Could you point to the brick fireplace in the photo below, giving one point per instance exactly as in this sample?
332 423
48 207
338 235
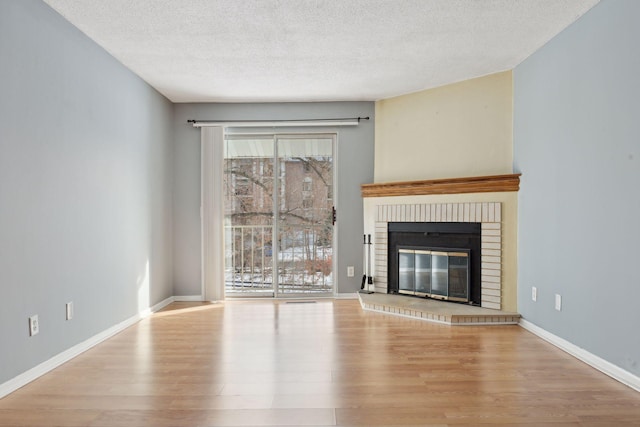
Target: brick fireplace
458 200
488 214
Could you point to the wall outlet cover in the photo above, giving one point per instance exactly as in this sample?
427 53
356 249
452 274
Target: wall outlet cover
534 293
558 302
34 325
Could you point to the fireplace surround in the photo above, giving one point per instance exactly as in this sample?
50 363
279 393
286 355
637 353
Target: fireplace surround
488 215
489 200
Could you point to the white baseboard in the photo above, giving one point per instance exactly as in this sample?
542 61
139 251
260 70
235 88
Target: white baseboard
608 368
159 306
162 304
187 298
57 360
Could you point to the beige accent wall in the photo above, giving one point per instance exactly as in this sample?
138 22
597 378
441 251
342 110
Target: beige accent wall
459 130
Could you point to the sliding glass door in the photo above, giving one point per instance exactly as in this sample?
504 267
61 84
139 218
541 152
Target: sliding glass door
278 215
304 212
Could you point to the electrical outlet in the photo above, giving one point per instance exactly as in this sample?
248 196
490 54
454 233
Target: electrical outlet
34 325
351 271
534 293
558 302
69 308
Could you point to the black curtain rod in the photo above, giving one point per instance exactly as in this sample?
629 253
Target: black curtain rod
278 121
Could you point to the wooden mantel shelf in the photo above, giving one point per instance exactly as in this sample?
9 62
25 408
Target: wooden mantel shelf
476 184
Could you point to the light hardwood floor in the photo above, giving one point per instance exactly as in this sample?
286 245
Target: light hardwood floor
326 363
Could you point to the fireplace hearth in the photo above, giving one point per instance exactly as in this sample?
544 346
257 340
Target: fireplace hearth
435 260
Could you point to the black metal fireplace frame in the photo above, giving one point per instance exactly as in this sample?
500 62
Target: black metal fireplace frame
436 235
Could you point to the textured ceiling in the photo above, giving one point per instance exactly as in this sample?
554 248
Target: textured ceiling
316 50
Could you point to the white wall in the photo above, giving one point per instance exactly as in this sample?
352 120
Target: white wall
85 187
576 143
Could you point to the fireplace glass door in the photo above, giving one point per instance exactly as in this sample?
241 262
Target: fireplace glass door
440 275
423 272
458 276
436 274
406 271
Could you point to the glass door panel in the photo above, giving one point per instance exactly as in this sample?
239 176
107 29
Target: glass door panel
406 271
305 211
423 272
248 197
440 273
459 276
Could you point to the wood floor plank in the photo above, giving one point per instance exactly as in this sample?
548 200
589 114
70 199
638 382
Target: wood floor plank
222 402
37 416
269 363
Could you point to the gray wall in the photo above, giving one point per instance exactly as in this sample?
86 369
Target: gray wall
85 187
577 144
354 167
